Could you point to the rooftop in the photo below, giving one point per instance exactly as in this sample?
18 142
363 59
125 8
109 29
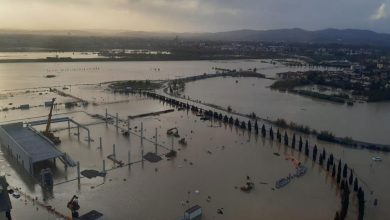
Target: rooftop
34 144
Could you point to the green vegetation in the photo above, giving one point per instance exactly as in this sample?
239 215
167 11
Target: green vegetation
301 128
284 85
339 98
134 85
326 136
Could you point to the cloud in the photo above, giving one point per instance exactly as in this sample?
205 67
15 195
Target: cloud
380 13
194 15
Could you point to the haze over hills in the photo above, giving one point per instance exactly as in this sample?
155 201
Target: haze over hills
26 38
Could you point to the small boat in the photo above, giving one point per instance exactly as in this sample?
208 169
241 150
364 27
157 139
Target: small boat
377 158
282 182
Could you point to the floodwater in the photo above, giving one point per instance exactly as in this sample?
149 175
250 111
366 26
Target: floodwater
363 121
28 75
216 160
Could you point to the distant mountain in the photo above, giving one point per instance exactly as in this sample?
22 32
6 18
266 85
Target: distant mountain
295 35
345 36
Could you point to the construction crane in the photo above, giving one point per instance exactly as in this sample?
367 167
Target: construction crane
50 114
47 132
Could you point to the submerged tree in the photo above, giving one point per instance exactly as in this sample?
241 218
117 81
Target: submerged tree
300 143
345 171
355 185
350 177
344 200
271 133
361 202
231 120
237 122
278 136
333 171
263 131
315 152
225 119
256 127
331 158
243 125
323 153
293 141
321 160
339 172
307 148
327 165
285 138
249 125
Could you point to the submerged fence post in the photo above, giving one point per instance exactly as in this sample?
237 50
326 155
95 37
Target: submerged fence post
78 172
104 166
113 151
155 146
117 121
100 144
129 158
106 117
78 131
128 124
142 134
142 156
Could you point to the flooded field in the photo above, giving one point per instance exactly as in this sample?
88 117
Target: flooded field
363 121
208 171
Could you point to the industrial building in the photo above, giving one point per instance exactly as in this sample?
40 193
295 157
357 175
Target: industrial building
27 145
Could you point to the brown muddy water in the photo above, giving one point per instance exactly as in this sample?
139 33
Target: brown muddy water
215 162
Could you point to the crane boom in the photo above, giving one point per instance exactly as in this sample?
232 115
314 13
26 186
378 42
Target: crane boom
50 114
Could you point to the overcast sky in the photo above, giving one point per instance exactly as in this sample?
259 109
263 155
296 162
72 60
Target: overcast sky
194 15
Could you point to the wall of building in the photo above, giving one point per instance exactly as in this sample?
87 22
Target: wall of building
14 149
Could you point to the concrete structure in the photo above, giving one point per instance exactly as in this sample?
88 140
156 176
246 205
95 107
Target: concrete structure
27 145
